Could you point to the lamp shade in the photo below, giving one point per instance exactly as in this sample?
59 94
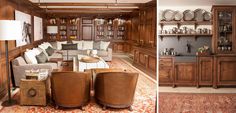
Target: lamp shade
52 29
10 30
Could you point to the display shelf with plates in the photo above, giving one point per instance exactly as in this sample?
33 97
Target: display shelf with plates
179 20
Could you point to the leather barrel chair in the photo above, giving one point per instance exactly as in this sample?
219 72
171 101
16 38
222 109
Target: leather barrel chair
70 89
115 89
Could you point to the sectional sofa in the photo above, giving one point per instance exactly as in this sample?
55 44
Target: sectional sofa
40 57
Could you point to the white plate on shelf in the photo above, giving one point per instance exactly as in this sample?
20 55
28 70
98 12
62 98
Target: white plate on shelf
188 15
178 16
207 16
168 15
198 13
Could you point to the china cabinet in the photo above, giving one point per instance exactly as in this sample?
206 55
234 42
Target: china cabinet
224 34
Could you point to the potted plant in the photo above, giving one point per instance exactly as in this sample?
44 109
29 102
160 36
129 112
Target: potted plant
203 51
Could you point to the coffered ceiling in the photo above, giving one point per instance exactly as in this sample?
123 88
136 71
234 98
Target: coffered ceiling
90 1
91 6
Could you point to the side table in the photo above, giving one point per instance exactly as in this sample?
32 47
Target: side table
33 92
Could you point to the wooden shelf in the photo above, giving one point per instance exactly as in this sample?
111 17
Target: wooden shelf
185 23
185 35
163 35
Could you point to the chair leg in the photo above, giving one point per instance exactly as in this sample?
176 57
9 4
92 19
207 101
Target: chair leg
56 106
130 108
104 107
82 108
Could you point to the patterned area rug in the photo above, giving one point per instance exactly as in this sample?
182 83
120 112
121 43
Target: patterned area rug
197 103
144 100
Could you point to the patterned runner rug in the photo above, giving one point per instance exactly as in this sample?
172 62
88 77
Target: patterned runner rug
144 100
197 103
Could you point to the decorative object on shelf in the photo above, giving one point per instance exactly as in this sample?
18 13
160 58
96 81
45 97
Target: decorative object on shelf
207 16
168 15
198 14
169 51
178 16
52 31
62 21
110 21
224 39
9 30
52 21
73 21
203 51
188 15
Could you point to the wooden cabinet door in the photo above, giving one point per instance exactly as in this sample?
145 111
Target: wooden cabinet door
226 71
205 70
185 74
165 75
87 32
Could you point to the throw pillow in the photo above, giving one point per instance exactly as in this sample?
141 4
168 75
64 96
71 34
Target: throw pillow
37 51
79 44
47 44
87 45
104 45
41 58
30 57
96 45
49 51
54 45
59 45
69 46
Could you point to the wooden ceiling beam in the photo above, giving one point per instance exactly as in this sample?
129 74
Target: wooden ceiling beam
89 4
69 10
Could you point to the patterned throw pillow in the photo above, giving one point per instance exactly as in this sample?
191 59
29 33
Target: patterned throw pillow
49 50
41 58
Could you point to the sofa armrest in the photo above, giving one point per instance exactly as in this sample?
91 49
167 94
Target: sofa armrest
19 71
34 66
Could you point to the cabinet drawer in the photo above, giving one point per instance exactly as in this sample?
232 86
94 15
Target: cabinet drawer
165 60
165 64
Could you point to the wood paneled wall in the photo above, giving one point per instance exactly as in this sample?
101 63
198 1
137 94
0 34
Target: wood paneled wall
7 12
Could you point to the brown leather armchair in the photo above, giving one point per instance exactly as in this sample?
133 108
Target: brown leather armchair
70 89
115 89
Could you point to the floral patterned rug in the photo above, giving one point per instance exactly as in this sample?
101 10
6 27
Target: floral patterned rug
197 103
144 100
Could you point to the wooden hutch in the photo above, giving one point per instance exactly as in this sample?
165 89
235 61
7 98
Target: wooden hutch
217 69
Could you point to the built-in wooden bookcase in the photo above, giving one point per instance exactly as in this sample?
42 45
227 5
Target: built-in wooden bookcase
110 29
68 28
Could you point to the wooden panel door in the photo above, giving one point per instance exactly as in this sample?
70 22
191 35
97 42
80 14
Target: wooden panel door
165 71
165 75
152 63
226 70
87 32
205 71
185 74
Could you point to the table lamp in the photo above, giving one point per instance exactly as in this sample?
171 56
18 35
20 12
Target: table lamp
52 30
9 30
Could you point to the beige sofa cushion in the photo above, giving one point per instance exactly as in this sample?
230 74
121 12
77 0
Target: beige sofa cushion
102 53
87 45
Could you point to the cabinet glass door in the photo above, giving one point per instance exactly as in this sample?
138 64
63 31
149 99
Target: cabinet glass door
225 31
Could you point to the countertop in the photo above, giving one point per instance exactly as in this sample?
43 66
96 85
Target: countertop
182 58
